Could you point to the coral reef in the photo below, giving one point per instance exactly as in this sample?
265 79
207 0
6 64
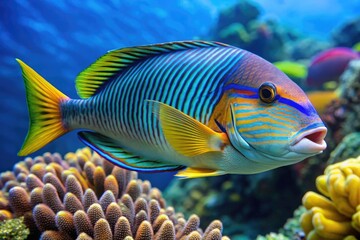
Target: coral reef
334 214
13 229
86 197
239 25
247 205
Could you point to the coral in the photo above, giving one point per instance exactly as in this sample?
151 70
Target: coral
334 214
86 197
13 229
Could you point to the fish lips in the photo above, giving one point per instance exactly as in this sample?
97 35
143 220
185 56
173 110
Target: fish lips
310 142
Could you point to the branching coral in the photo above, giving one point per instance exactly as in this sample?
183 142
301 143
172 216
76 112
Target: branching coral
336 213
85 197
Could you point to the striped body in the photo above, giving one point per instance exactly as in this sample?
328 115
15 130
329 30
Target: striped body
189 80
207 106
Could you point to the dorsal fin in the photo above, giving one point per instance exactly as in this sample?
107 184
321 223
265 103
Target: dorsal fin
98 74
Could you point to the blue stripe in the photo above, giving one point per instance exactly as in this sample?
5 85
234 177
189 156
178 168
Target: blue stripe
255 124
235 86
260 117
297 106
307 111
262 131
266 138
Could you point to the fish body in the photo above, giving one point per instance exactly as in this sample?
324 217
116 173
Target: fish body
207 106
329 65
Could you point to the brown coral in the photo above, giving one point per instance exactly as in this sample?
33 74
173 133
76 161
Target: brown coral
85 197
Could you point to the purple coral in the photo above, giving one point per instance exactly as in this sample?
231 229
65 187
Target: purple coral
85 197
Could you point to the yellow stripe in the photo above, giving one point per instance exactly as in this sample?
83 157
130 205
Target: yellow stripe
265 120
242 130
258 135
268 142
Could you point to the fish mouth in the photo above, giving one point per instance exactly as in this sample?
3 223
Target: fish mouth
310 142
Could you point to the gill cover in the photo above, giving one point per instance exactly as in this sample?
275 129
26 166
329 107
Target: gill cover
235 138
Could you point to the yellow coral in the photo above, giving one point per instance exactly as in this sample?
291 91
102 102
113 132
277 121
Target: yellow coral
336 213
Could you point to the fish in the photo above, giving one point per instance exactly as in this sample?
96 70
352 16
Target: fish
200 108
329 65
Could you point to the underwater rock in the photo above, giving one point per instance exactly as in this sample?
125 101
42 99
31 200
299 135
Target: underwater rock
348 34
247 205
86 197
334 214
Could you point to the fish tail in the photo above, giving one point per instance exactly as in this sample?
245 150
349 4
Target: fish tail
43 101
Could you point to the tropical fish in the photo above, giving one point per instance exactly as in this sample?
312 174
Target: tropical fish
292 69
329 65
204 108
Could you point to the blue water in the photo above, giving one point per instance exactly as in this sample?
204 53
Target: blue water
60 38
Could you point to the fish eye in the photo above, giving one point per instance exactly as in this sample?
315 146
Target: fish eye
267 92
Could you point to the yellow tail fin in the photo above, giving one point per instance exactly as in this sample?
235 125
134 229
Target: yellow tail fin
43 101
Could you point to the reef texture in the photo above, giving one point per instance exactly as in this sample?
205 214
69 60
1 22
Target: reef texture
335 213
86 197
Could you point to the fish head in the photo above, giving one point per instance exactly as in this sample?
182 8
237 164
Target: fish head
270 120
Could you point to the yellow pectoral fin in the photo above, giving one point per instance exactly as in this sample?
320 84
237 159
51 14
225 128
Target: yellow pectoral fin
199 172
185 134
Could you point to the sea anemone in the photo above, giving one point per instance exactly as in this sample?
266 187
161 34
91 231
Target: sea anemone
86 197
336 213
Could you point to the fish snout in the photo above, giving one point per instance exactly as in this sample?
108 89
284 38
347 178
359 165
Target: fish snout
310 142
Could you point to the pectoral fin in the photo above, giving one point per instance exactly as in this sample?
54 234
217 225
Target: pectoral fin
110 150
185 134
198 172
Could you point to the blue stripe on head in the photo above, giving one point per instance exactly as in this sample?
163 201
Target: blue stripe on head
233 86
307 111
297 106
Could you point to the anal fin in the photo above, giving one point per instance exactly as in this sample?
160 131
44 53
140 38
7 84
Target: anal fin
199 172
111 151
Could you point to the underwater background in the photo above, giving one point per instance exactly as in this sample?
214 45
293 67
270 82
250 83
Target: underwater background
61 38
